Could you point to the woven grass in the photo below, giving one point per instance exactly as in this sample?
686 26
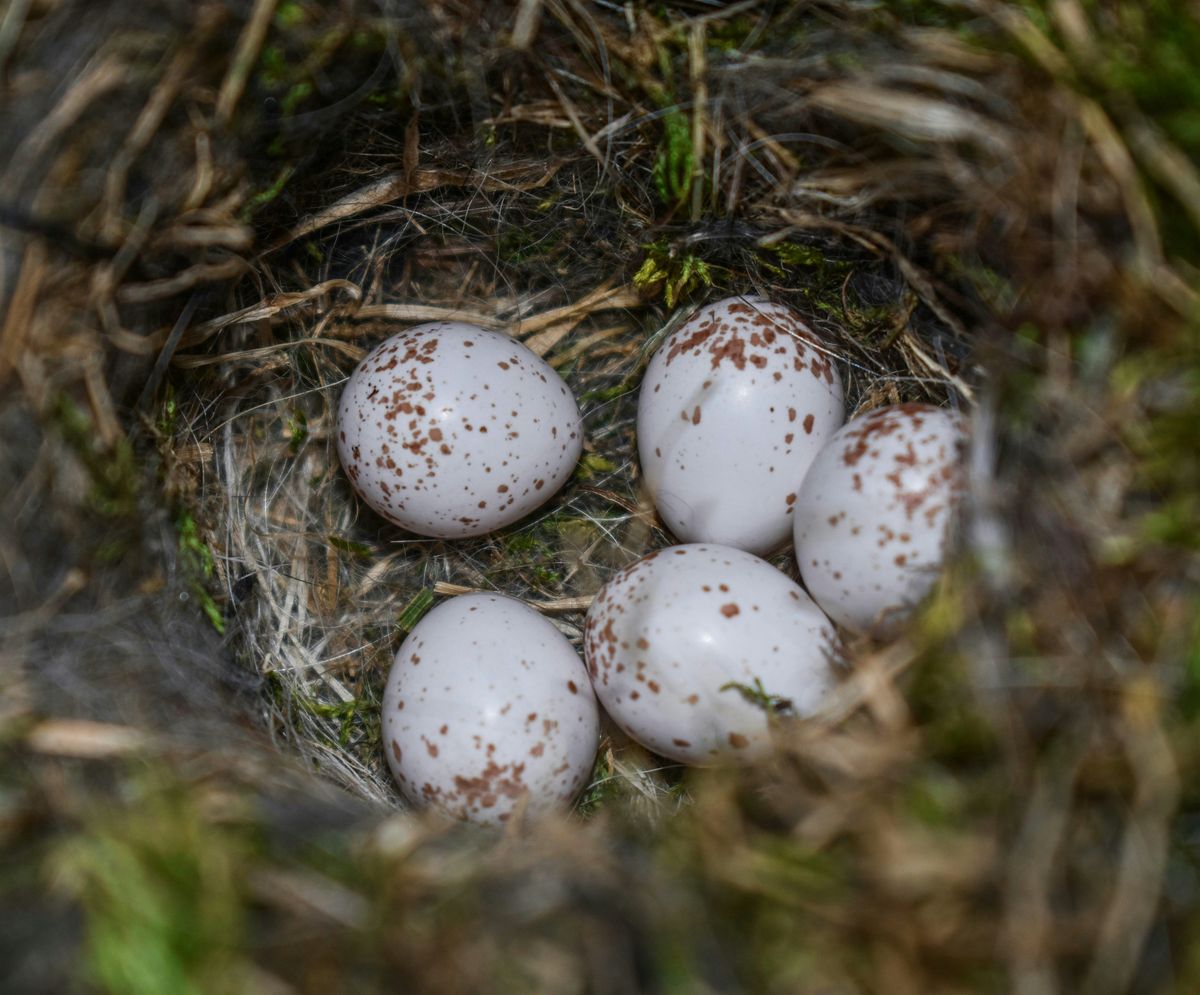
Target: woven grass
212 213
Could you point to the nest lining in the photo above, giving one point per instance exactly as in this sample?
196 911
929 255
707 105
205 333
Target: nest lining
322 589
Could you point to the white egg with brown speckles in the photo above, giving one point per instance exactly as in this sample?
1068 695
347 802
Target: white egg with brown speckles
874 511
450 431
487 709
733 408
691 647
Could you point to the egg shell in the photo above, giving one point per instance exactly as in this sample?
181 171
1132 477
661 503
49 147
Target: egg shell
450 431
666 635
733 408
873 513
488 707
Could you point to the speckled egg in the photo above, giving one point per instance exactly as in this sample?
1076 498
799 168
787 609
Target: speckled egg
733 408
486 708
686 646
451 431
873 512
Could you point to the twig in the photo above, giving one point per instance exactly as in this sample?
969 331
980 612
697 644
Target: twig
21 308
1144 845
698 66
85 740
244 58
559 605
525 25
194 362
193 276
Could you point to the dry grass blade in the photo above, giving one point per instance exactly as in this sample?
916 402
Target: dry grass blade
269 308
1168 165
911 115
1117 159
587 140
173 286
872 685
318 894
425 312
511 177
18 319
10 28
244 57
245 355
85 740
101 79
525 25
1029 918
1145 845
144 129
603 298
567 605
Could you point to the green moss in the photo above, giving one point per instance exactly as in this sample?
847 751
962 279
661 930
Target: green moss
938 799
272 71
758 696
296 95
730 34
290 15
160 884
296 430
989 285
603 786
196 561
112 470
945 708
930 13
607 393
592 464
358 549
415 610
794 254
265 197
349 717
673 165
537 241
676 274
168 415
532 553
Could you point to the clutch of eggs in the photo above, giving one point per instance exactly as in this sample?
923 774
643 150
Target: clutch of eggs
450 431
873 513
688 647
488 707
733 408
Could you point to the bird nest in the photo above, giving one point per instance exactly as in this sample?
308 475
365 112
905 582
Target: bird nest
533 233
202 243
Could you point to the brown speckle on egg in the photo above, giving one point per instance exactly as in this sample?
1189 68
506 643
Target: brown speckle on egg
671 692
890 476
423 382
703 488
490 652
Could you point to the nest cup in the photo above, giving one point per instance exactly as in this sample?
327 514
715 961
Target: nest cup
319 589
